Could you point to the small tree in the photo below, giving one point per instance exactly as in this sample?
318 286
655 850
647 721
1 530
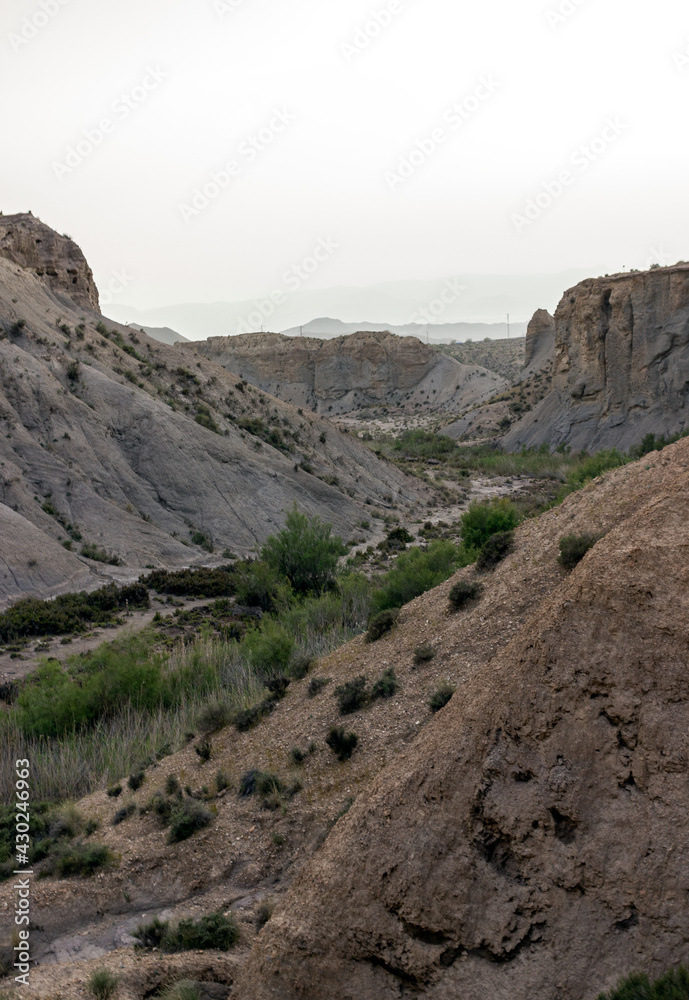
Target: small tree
305 551
485 519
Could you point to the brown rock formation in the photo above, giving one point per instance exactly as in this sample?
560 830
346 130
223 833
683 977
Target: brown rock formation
621 364
535 842
540 340
55 259
348 373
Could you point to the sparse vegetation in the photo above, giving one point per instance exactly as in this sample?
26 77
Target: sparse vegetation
417 571
341 743
424 654
462 593
573 548
381 624
673 985
102 984
386 686
214 932
495 549
316 685
79 859
69 612
440 697
352 695
187 818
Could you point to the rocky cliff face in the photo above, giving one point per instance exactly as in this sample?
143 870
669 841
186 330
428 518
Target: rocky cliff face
621 365
110 438
540 341
55 259
348 373
534 842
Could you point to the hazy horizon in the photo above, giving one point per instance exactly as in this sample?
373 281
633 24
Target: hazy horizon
236 150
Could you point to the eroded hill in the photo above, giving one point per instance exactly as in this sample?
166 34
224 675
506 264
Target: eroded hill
116 446
348 374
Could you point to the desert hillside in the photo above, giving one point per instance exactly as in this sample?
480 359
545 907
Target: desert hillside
115 448
347 374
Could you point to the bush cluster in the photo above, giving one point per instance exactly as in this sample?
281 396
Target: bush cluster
341 743
573 548
203 582
495 549
69 612
381 624
440 697
417 571
214 932
484 520
462 593
673 985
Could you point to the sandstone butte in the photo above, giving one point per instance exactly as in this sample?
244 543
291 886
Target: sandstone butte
621 364
534 842
346 374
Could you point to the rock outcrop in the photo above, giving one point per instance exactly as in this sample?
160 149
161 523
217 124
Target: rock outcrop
540 341
346 374
114 440
621 366
55 259
534 843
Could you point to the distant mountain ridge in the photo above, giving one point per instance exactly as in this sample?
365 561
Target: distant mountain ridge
432 333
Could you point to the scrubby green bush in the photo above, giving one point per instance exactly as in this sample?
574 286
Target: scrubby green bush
246 718
69 612
258 585
386 686
202 582
352 695
214 932
463 592
424 654
183 990
417 571
92 551
484 519
495 549
102 984
673 985
305 552
172 785
440 697
136 780
573 548
203 751
316 685
124 813
341 743
79 859
381 624
188 817
214 716
269 648
422 444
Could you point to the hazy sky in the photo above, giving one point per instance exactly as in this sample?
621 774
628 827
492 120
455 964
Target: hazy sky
404 139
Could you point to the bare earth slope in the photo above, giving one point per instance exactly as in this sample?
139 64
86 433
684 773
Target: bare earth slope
621 364
136 446
348 373
535 842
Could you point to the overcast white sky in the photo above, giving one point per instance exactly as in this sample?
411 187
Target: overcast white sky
348 115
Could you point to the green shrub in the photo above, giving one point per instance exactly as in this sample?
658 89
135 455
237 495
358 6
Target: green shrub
417 571
424 445
300 666
136 780
673 985
573 548
222 781
204 751
495 549
341 743
305 552
269 648
152 934
381 624
484 519
172 785
80 859
124 813
463 592
297 756
102 984
423 654
246 718
352 695
214 932
188 817
440 697
387 686
92 551
69 613
316 685
202 582
258 585
114 791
